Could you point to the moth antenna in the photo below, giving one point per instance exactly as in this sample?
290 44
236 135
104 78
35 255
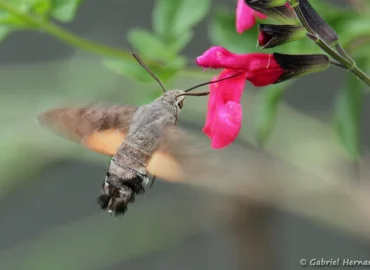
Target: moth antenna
140 61
220 80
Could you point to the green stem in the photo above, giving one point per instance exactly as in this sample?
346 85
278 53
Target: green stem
344 59
337 64
84 44
65 35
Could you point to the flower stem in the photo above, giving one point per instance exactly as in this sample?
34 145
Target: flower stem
337 64
342 57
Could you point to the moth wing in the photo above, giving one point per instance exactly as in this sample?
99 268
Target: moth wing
165 163
103 129
100 129
178 151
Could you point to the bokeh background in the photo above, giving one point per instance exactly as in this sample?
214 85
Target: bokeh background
302 196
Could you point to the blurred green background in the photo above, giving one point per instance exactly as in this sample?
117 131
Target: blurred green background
48 186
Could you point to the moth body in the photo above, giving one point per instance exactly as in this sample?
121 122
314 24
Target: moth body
127 171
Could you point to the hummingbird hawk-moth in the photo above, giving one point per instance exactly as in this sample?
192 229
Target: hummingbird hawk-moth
136 138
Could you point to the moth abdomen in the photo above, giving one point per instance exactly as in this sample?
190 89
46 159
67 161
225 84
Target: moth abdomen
107 202
117 193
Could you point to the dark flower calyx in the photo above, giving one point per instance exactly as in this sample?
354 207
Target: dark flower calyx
271 35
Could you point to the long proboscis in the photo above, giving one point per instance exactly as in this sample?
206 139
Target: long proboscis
216 81
195 94
203 84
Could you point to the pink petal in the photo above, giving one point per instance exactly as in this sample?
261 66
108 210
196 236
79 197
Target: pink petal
230 89
260 15
244 17
212 105
228 123
224 111
262 69
265 77
219 57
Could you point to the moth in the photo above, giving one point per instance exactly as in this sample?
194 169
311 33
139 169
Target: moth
136 138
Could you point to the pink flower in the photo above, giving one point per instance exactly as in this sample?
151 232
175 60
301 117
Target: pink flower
223 121
260 69
224 111
224 116
246 17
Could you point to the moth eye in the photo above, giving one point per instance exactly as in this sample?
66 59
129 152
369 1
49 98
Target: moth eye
180 104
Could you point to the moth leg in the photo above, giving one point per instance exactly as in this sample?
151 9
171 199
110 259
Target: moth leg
152 183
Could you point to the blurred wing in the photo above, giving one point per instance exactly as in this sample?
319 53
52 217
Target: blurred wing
101 129
176 152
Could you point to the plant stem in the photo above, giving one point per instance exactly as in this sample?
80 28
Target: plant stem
337 64
65 35
343 58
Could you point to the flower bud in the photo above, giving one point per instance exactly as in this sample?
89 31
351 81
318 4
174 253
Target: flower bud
271 35
282 13
266 3
318 24
298 65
